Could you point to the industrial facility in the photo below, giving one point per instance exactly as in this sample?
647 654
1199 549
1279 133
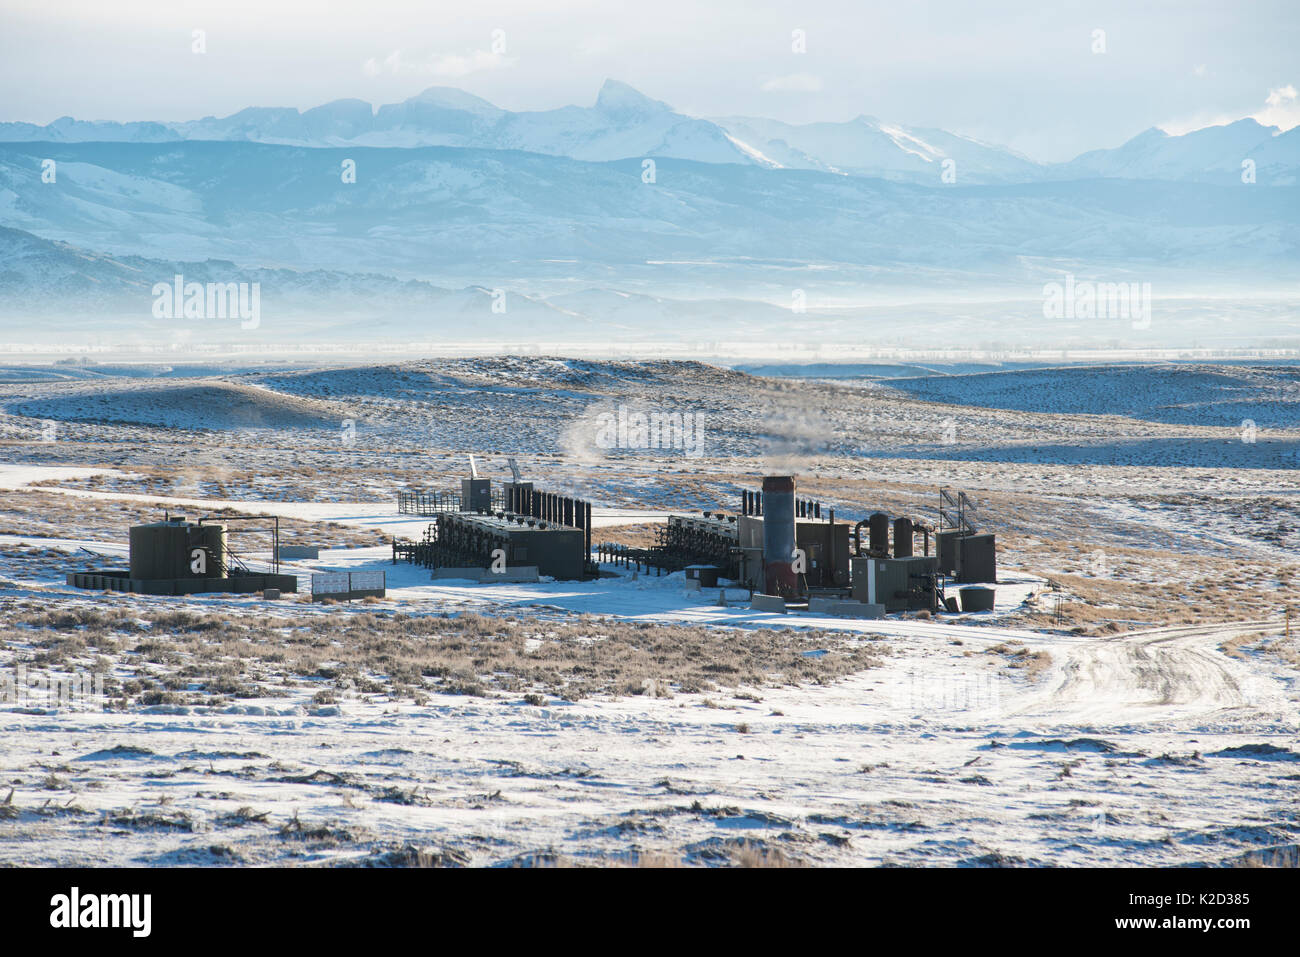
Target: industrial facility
790 553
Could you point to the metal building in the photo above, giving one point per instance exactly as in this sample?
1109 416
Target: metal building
968 558
899 584
481 542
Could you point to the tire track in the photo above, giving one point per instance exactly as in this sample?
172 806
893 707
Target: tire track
1160 673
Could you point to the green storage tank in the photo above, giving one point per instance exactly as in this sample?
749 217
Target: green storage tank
178 549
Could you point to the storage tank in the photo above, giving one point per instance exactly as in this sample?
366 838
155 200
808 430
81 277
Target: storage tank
178 549
878 534
976 598
778 537
902 538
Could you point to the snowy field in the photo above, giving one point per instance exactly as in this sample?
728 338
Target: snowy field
1132 699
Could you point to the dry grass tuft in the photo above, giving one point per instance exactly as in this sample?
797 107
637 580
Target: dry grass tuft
188 657
755 855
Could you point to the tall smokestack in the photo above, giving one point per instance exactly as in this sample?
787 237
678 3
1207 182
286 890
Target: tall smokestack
778 537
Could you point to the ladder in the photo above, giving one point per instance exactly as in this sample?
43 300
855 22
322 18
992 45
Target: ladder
953 510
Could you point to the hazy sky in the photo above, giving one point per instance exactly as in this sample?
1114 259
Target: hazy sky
1022 74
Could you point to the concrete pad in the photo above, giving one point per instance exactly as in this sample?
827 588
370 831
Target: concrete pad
768 603
839 608
511 576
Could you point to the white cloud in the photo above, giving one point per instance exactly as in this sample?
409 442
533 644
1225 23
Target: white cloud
1283 94
794 83
450 65
1281 109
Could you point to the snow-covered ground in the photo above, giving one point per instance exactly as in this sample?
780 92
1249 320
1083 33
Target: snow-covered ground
1148 749
995 738
941 755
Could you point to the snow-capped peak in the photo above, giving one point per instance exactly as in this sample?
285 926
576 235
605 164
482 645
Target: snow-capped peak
616 97
451 98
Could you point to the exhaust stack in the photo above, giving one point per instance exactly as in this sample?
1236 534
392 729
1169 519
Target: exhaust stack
779 577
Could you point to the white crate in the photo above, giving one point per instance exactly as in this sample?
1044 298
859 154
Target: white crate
367 581
329 583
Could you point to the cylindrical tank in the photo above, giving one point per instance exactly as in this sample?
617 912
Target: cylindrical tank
902 538
778 537
878 534
178 549
977 598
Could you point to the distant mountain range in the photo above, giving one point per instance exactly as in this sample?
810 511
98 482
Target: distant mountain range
463 216
625 124
1213 154
749 229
